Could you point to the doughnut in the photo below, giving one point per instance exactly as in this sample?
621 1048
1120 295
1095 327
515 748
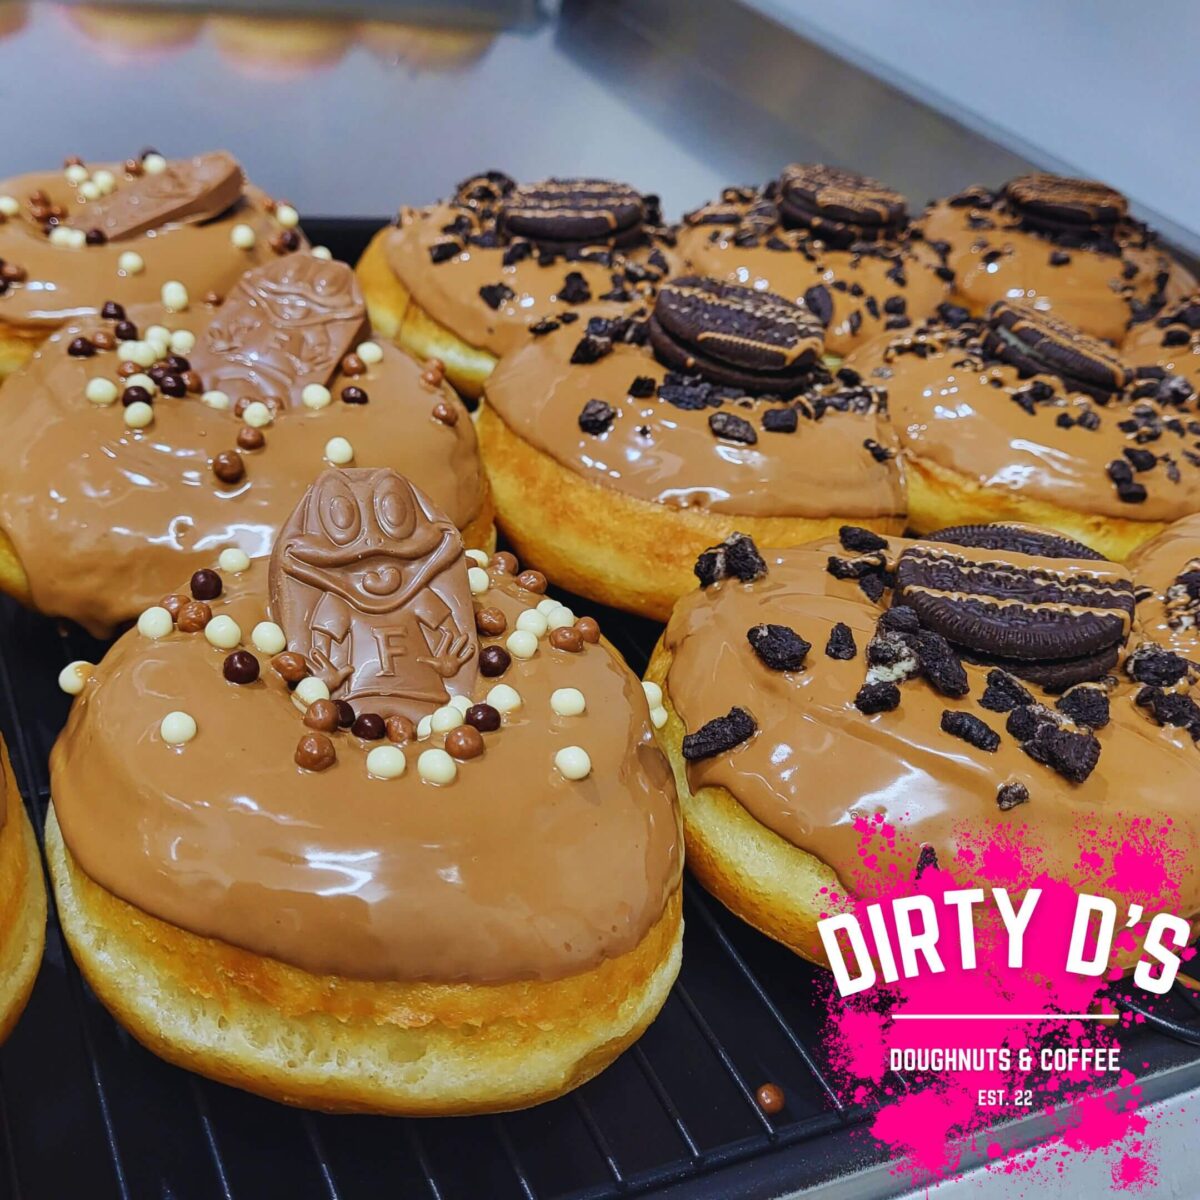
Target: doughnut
620 448
425 47
271 46
22 902
475 277
71 238
990 676
134 33
1019 416
147 441
830 239
1067 245
387 832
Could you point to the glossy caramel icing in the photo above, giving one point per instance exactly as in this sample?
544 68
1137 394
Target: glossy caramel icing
106 519
816 763
511 871
958 406
657 451
176 234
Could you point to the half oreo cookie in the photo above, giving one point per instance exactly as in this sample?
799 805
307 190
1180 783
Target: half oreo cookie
572 212
1053 674
735 335
1036 343
1023 539
840 206
1058 204
1030 613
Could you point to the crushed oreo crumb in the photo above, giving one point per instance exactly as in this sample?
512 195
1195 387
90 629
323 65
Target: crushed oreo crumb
574 289
780 420
841 643
971 729
778 647
1010 795
927 860
642 387
1154 665
736 557
877 697
596 417
859 540
1086 704
732 427
719 734
495 294
1003 693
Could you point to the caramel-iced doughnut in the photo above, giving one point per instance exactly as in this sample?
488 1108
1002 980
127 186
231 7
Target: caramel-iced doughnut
831 239
476 276
619 448
793 703
89 232
145 441
439 874
1067 246
22 902
1019 416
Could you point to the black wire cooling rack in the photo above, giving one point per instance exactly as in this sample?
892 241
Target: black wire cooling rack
86 1112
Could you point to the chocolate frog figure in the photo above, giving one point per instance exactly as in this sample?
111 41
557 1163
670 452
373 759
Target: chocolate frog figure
369 583
285 325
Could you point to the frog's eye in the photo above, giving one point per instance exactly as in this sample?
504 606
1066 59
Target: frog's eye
338 510
394 508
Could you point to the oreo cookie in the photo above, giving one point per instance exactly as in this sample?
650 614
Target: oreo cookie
998 609
1023 539
1054 675
840 207
1038 344
1059 204
734 335
573 212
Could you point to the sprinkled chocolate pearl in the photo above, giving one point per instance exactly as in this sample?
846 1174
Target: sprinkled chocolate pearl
290 666
490 622
192 382
573 762
135 394
172 385
173 603
436 766
478 581
267 637
370 352
322 715
399 729
431 379
353 365
566 638
309 691
128 369
532 581
249 438
228 467
75 675
386 762
126 331
11 273
102 340
345 714
588 629
464 742
354 395
368 726
315 752
205 584
155 622
483 717
81 347
493 661
503 561
240 667
177 728
447 414
770 1098
193 616
112 311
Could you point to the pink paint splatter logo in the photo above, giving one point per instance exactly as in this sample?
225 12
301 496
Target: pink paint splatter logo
963 1028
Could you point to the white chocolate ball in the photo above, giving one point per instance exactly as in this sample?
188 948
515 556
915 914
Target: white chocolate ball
322 252
560 618
233 560
521 643
141 353
386 762
183 341
257 415
100 391
9 206
423 727
243 237
310 688
503 698
217 400
74 675
287 216
158 336
88 190
223 632
130 263
436 766
573 762
658 716
445 719
64 235
547 606
567 702
462 703
154 164
105 180
138 415
76 173
177 728
174 296
315 396
155 623
268 638
478 557
339 451
141 380
532 621
478 581
654 696
369 353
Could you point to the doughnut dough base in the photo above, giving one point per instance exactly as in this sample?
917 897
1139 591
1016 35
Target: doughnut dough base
18 343
619 550
761 878
395 314
939 497
22 909
344 1045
